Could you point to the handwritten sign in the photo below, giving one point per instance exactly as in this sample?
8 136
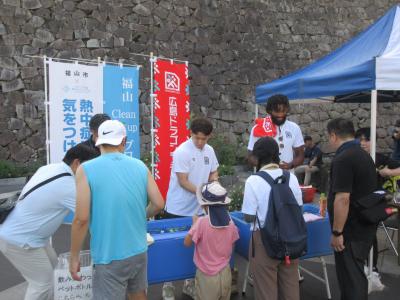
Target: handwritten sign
65 288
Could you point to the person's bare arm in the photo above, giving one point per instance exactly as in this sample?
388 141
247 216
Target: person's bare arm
386 172
188 238
184 182
80 222
298 156
213 176
341 211
156 201
313 162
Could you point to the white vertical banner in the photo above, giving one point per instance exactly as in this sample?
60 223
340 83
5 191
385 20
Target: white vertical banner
75 95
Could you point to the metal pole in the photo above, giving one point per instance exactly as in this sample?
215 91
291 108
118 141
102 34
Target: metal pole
256 111
374 106
46 103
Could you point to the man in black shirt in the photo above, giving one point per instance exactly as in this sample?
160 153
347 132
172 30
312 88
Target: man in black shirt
94 125
353 176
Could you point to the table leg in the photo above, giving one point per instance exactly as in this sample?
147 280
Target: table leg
398 237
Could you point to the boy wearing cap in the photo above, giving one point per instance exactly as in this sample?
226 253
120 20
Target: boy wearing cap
214 235
112 192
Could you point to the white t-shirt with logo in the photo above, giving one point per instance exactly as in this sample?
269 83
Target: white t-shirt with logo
256 194
291 138
198 164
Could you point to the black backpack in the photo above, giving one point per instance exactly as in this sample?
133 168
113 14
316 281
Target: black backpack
373 208
284 234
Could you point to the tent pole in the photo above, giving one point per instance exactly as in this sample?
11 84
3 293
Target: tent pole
46 105
256 111
374 106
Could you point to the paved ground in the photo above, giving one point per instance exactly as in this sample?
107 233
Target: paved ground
12 286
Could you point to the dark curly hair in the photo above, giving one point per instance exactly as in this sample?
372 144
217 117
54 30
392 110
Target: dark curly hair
277 103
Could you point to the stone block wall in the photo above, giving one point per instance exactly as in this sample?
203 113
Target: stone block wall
232 45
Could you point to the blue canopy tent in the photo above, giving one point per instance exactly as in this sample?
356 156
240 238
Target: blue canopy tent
368 62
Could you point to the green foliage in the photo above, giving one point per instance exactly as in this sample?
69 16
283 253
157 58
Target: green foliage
236 194
225 170
224 150
11 170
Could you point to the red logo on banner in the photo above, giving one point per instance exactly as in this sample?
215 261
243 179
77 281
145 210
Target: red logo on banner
171 116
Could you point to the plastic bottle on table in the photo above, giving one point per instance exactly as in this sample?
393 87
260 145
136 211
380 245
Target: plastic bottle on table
322 205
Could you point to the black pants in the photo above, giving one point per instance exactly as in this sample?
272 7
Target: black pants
167 215
353 283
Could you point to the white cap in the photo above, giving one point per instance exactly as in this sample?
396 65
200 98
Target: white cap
212 193
111 132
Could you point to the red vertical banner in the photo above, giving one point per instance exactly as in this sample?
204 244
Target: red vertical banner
171 116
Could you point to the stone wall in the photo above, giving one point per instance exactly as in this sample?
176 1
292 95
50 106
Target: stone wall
232 45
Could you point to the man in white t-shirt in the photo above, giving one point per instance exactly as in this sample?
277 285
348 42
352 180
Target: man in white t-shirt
286 133
194 163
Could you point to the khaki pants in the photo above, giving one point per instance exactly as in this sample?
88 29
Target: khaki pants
36 265
217 287
307 172
273 280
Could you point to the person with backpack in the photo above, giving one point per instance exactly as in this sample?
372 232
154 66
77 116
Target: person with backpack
272 203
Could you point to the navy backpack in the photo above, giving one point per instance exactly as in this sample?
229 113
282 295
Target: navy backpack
284 234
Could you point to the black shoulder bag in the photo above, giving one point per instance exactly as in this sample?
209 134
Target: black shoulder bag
9 203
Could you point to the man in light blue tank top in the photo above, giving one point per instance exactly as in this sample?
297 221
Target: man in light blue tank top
112 194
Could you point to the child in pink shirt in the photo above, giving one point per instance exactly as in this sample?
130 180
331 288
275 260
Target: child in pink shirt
214 236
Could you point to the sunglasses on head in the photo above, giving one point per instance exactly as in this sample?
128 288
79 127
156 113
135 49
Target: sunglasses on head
280 139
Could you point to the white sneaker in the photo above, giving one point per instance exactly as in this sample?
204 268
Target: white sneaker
301 277
168 291
189 288
374 283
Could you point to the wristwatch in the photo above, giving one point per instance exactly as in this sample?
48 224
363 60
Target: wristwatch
337 233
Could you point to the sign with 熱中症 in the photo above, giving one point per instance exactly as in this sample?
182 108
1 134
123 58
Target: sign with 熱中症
121 102
65 288
77 92
75 95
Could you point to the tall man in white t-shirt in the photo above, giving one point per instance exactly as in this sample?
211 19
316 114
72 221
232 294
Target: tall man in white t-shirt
286 133
194 163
